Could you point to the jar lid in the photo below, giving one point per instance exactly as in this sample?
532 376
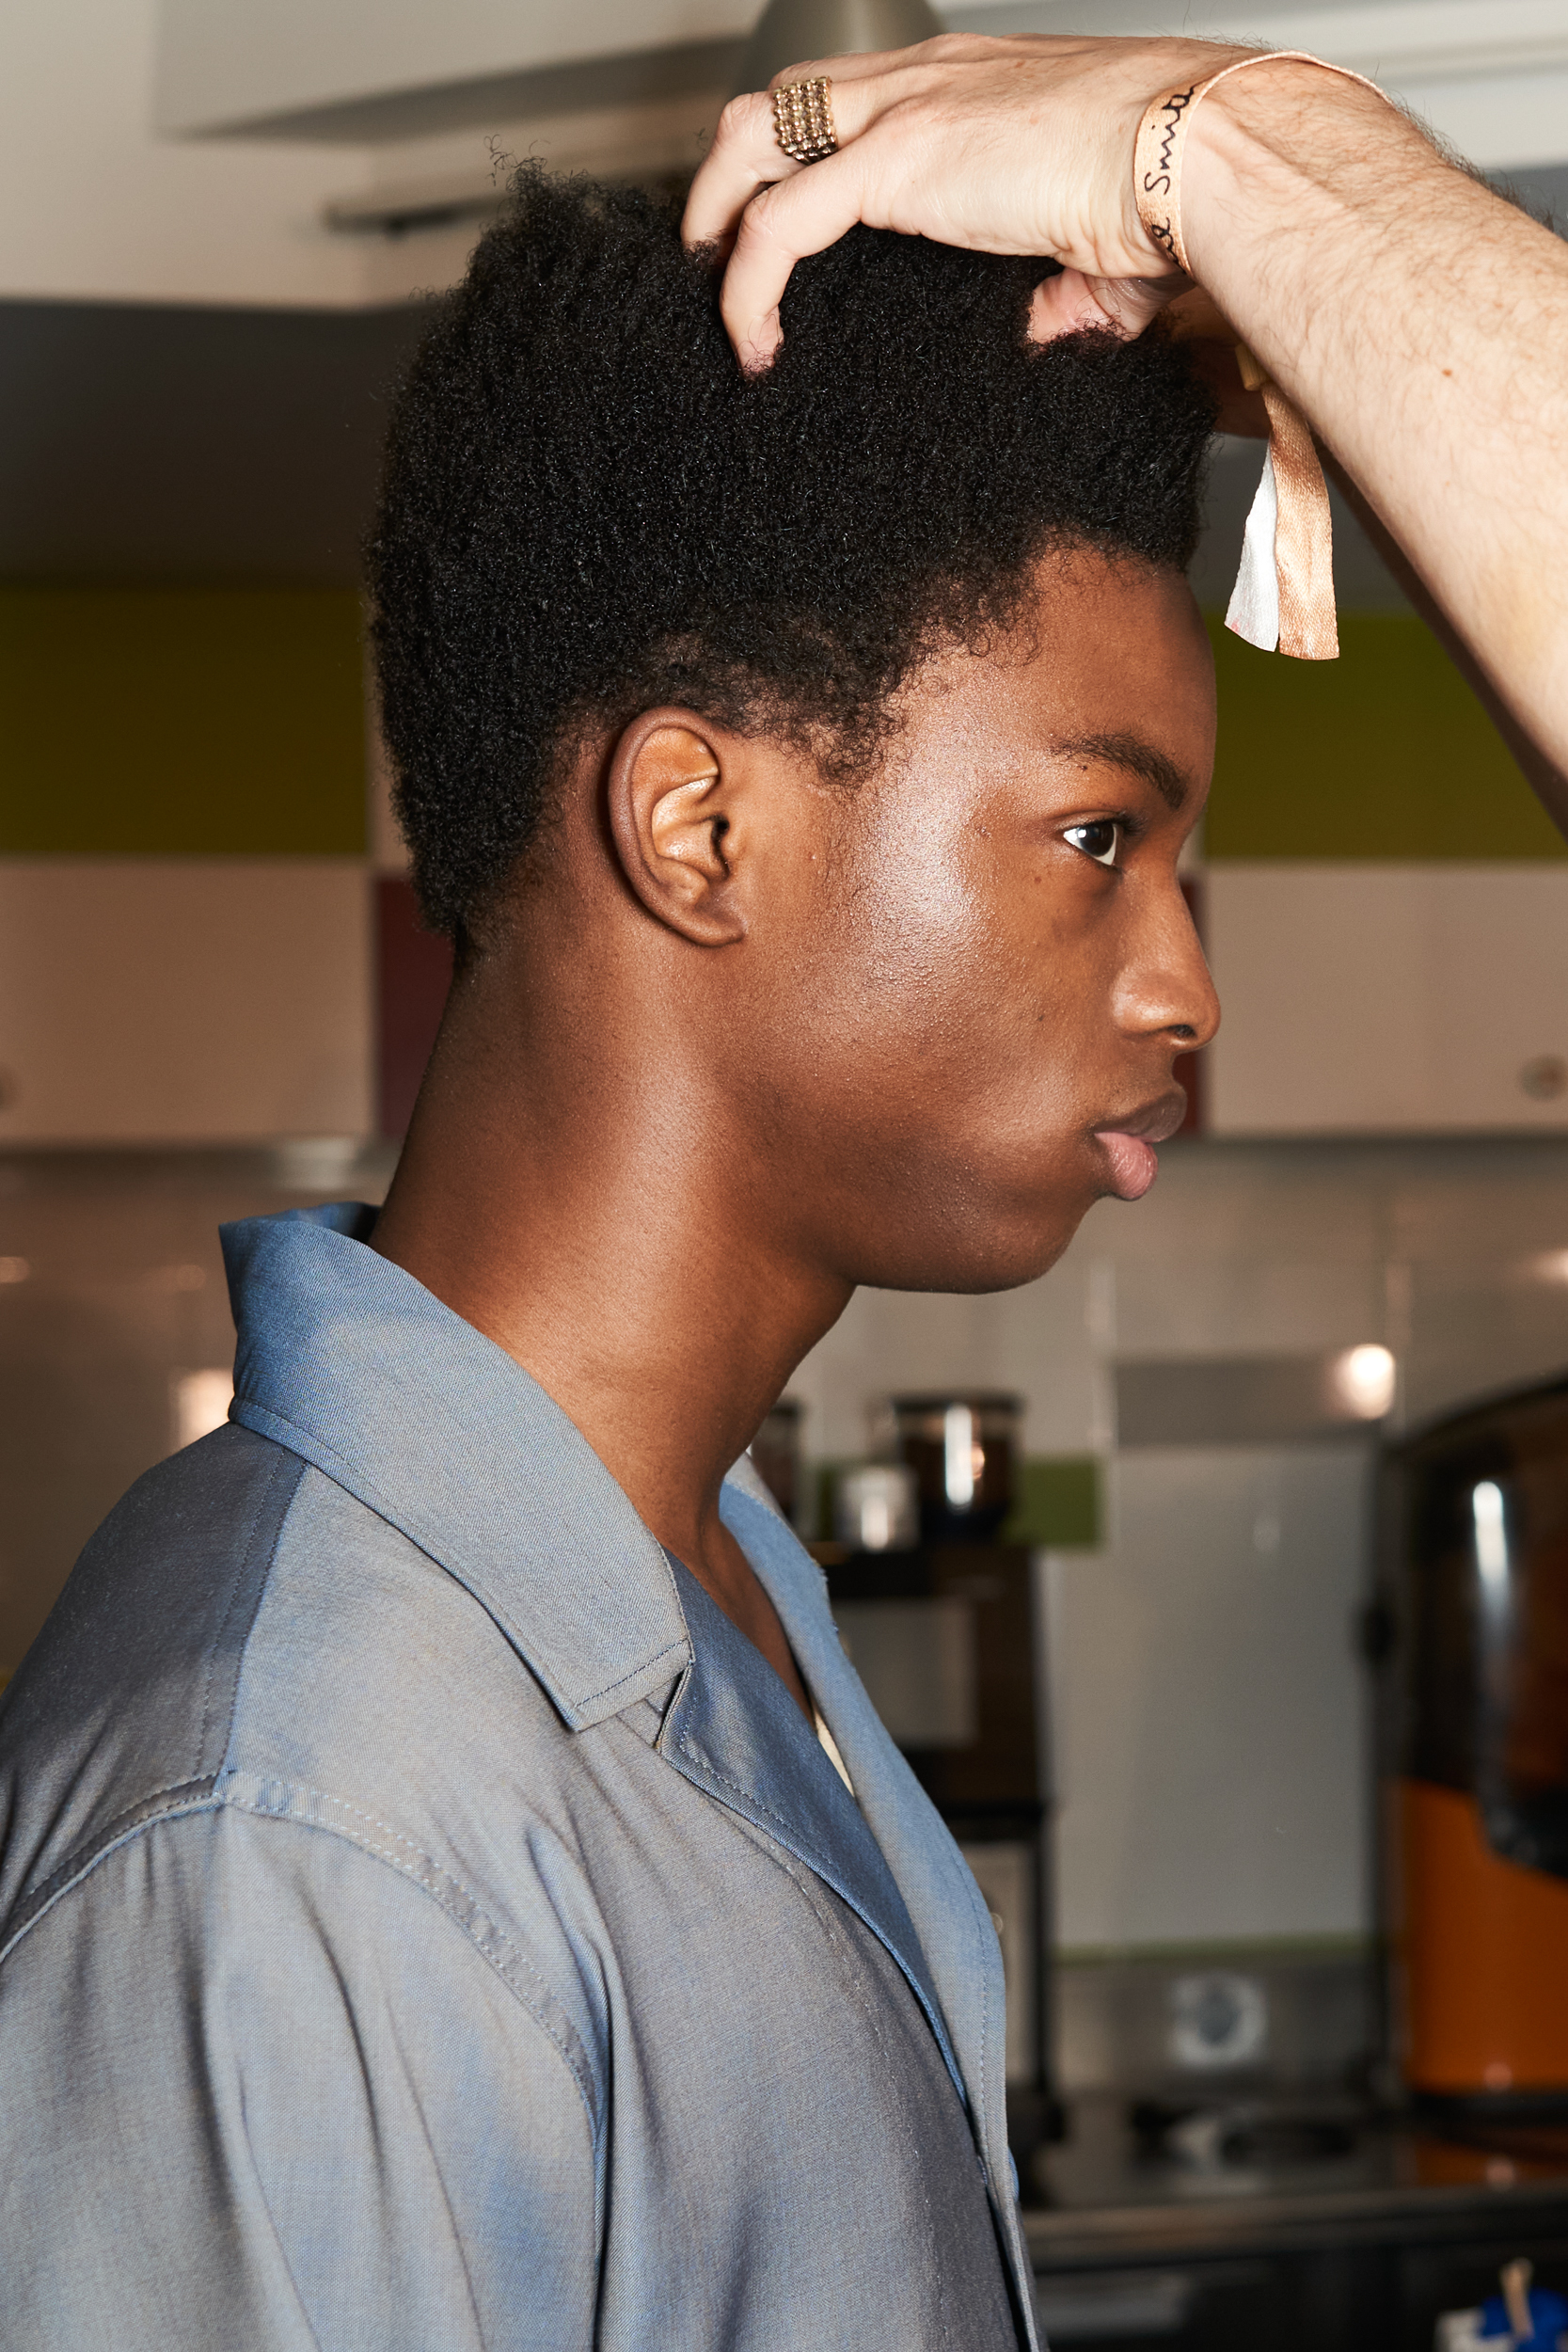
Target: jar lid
978 1400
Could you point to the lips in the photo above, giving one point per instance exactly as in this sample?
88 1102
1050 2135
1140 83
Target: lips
1129 1144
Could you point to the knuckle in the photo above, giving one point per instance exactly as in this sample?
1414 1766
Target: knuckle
757 230
917 111
741 118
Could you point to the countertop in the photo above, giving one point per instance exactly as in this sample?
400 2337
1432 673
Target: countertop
1105 2201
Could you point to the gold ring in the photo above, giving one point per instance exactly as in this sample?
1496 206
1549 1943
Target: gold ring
803 120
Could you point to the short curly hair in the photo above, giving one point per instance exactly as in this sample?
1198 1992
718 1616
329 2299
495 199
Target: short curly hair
588 511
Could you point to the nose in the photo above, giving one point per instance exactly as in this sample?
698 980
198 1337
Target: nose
1166 988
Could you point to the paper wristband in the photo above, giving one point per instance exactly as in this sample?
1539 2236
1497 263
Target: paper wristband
1284 591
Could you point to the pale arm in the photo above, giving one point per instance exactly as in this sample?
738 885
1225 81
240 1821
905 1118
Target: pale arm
1423 324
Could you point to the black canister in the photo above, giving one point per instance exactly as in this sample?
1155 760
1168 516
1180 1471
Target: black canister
963 1450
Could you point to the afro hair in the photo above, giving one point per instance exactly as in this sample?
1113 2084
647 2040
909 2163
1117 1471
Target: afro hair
587 510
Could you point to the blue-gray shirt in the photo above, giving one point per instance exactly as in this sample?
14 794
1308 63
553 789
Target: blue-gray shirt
427 1922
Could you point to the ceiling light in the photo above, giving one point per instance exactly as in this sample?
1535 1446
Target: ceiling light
1362 1381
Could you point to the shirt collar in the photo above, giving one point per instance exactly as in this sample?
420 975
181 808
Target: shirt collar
346 1359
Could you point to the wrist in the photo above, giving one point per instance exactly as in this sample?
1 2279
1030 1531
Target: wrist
1275 151
1183 67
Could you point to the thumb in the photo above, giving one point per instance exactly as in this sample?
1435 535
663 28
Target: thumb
1069 304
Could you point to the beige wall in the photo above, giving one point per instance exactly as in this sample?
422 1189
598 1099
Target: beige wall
189 1000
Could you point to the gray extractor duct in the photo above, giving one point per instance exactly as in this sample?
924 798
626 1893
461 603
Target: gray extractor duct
788 31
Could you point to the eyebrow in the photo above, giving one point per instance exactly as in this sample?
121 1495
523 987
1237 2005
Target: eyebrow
1131 752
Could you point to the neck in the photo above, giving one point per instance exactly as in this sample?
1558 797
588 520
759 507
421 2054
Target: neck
576 1188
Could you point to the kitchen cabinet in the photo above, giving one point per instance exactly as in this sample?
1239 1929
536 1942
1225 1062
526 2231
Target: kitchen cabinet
184 1001
162 721
1388 999
1381 757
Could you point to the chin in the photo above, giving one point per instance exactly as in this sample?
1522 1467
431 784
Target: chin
972 1254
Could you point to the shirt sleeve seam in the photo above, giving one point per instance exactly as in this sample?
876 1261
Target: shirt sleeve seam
187 1796
423 1871
204 1797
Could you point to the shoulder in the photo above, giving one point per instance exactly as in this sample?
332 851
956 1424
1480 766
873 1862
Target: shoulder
234 2026
262 1934
124 1699
262 1722
241 1632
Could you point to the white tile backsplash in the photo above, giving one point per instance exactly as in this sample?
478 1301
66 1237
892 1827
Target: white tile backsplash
1039 1341
1209 1736
1246 1306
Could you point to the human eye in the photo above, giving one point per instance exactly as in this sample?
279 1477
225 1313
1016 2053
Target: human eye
1100 840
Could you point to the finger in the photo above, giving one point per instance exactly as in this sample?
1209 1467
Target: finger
1065 305
1133 303
773 236
1070 304
745 156
881 178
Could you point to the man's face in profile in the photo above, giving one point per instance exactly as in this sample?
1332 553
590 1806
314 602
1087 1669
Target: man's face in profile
951 1023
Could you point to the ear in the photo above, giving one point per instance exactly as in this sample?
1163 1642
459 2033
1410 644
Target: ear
671 795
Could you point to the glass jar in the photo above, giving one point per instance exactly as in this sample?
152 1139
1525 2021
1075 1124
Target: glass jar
875 1507
963 1448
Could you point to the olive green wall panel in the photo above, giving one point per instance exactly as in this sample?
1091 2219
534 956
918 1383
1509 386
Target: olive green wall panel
1383 753
180 721
1057 1502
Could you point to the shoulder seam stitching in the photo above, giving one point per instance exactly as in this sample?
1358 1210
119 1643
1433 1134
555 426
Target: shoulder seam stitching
78 1865
206 1796
433 1880
200 1785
